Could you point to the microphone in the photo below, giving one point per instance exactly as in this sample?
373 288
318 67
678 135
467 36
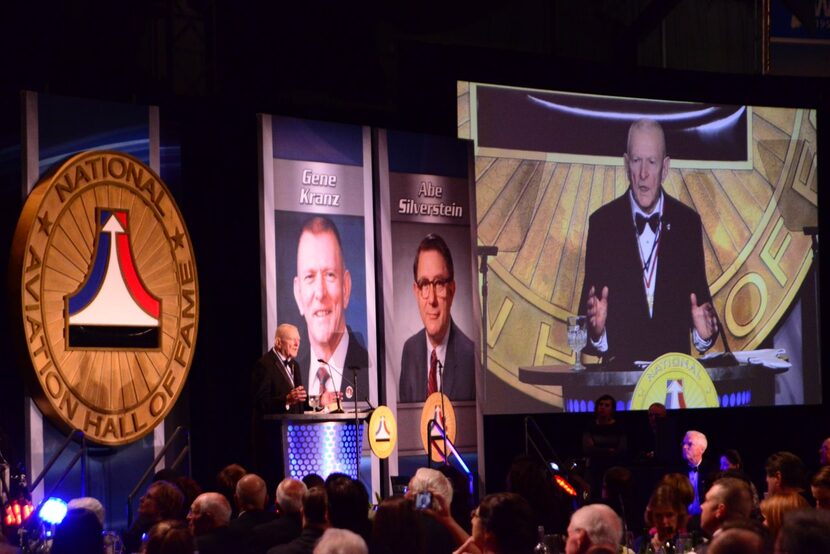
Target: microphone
487 250
348 381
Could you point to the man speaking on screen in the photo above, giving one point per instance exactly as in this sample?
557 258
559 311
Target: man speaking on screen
645 285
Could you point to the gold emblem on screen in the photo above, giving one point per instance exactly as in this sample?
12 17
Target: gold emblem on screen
107 296
677 381
536 211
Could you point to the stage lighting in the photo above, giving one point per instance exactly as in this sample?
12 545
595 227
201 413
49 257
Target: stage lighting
53 511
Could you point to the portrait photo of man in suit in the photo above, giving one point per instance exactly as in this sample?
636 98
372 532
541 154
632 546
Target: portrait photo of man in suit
322 288
439 356
645 291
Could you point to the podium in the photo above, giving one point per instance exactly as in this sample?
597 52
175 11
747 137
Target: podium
736 384
320 443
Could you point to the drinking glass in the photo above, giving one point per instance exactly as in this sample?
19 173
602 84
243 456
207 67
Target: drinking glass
577 338
314 402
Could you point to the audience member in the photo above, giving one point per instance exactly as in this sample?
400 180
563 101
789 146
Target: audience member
288 526
694 447
441 536
785 473
315 522
661 440
92 504
169 537
349 505
190 489
824 453
341 541
666 514
595 525
820 487
313 480
209 519
741 537
78 533
775 506
804 532
226 481
251 498
617 493
604 442
398 528
728 500
163 500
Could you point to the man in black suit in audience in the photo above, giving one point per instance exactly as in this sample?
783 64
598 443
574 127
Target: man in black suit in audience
251 497
315 523
289 524
209 519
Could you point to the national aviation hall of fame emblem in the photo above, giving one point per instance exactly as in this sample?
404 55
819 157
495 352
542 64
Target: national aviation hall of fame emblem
677 381
105 280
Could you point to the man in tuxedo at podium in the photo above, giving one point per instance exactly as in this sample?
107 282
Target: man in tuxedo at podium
322 288
440 344
645 283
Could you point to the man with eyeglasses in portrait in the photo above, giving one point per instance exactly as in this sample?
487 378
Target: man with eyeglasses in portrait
440 356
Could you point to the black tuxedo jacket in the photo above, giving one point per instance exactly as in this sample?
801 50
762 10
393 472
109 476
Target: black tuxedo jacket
270 385
356 356
459 367
612 259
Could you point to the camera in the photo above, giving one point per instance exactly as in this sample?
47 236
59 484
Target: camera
423 500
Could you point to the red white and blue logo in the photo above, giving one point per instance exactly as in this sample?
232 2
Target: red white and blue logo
113 308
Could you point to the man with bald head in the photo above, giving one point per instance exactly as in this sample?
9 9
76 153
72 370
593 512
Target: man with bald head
322 290
209 519
645 283
251 497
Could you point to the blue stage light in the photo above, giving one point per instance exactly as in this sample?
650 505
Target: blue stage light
53 511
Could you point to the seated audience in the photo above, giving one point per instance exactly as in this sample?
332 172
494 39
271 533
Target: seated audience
169 537
163 500
502 524
341 541
288 526
594 526
804 532
349 505
398 528
727 501
785 473
775 506
741 537
251 498
666 515
441 535
78 533
226 481
461 497
209 519
315 523
820 487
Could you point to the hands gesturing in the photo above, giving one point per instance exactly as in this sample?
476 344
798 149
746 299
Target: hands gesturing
597 312
704 318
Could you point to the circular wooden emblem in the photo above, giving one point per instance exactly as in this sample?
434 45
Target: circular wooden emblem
107 296
383 432
433 408
677 381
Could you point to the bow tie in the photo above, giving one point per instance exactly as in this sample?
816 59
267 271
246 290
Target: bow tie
653 222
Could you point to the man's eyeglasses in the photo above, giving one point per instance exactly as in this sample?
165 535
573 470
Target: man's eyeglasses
440 285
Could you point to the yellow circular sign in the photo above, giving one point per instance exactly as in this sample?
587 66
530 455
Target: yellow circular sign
107 296
676 381
383 432
433 408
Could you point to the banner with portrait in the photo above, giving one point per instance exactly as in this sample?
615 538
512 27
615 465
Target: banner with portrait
318 251
430 287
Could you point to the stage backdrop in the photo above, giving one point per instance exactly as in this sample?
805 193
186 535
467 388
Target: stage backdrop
426 189
545 161
320 174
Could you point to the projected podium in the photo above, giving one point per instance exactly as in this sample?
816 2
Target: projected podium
736 385
319 443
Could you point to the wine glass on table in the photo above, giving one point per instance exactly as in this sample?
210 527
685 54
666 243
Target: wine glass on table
314 402
577 338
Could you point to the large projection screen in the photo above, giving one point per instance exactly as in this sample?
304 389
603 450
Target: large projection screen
546 160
